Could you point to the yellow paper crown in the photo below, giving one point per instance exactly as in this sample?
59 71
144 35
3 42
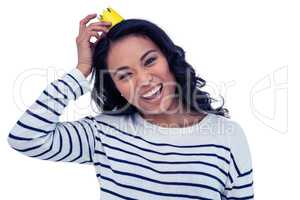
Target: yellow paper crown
110 15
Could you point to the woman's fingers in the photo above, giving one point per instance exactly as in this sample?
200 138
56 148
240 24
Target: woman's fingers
102 23
86 19
97 28
92 30
95 34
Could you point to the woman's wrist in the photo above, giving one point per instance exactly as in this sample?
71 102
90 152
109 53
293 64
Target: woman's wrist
85 69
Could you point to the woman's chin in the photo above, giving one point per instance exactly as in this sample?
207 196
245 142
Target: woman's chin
155 110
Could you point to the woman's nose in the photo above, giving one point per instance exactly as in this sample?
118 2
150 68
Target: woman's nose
145 79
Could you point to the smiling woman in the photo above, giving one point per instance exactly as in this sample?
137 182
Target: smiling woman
158 137
147 73
144 57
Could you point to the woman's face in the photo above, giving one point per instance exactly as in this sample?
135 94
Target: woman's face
141 73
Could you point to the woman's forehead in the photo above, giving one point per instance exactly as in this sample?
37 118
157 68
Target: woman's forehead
131 44
128 50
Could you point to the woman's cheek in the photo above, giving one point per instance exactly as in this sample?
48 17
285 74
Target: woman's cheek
127 91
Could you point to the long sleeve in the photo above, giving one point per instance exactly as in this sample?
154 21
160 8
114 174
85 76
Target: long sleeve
39 134
239 184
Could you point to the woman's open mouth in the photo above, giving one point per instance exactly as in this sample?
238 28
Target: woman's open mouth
154 94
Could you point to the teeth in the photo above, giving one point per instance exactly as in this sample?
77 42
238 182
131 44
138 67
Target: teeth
152 92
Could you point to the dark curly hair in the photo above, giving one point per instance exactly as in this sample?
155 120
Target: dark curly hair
107 97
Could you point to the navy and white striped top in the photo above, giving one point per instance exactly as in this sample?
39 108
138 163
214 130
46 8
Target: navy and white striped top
133 158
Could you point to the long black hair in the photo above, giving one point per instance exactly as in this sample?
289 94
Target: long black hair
107 97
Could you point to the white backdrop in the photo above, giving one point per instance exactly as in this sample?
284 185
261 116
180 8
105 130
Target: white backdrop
248 51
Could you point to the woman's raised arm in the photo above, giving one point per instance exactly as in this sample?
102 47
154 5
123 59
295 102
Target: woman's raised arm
39 133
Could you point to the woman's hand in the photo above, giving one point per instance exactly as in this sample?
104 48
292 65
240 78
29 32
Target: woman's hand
85 48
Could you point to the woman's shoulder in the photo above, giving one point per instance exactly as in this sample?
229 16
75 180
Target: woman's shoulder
224 126
226 121
232 131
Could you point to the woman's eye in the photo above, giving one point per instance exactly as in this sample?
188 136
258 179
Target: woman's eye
150 60
124 76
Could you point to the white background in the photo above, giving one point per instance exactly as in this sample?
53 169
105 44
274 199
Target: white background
248 51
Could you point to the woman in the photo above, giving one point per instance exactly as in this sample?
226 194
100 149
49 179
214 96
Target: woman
157 137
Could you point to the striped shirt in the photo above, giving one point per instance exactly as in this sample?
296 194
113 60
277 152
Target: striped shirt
134 158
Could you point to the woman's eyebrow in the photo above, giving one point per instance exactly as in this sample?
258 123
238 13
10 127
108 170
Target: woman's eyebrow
120 69
141 59
145 54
